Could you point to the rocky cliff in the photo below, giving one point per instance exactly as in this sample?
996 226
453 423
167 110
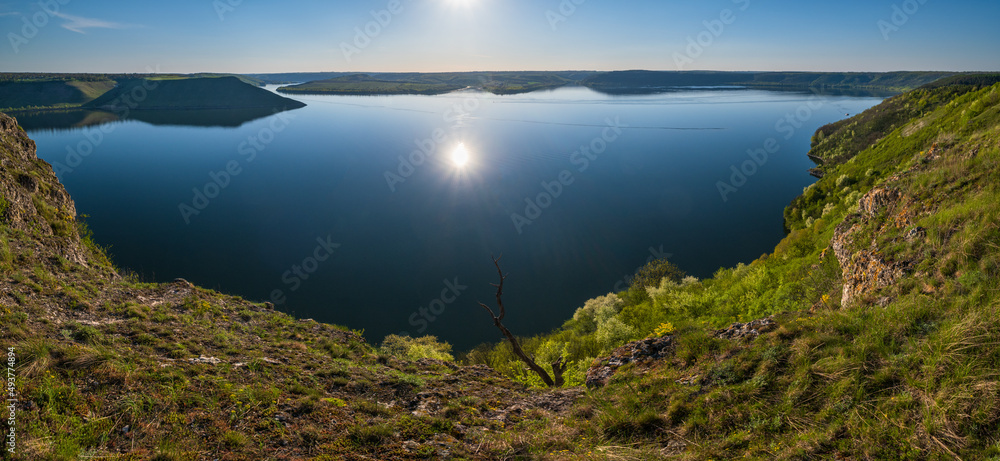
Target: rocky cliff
33 202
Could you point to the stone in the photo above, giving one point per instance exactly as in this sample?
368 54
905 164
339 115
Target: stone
642 351
749 330
863 269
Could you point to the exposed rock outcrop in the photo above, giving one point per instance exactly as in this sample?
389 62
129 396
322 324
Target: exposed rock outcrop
749 331
864 268
642 351
650 350
31 198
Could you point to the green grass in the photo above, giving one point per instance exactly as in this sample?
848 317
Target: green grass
369 88
21 95
59 92
435 83
915 379
168 93
652 81
6 257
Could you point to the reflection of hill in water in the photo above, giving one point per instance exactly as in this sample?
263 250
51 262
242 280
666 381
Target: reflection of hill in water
819 91
73 119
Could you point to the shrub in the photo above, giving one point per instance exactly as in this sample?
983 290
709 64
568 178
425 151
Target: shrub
407 348
663 330
369 435
586 316
613 332
829 208
652 273
844 181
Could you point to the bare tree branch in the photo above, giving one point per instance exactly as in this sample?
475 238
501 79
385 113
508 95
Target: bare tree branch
558 367
488 309
496 262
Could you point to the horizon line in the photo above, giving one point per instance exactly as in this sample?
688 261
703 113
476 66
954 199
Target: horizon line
499 71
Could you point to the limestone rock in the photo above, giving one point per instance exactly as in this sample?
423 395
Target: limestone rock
864 269
31 197
642 351
749 330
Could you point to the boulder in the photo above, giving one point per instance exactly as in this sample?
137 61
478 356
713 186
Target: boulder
642 351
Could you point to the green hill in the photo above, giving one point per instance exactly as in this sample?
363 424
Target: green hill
876 335
189 93
885 294
361 84
248 79
50 94
644 81
437 83
294 77
33 91
637 81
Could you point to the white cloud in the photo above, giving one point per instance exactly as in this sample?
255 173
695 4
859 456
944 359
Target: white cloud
10 13
80 24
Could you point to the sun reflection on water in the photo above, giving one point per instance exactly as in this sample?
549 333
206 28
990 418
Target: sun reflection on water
460 156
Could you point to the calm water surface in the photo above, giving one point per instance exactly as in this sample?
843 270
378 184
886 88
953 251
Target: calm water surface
336 211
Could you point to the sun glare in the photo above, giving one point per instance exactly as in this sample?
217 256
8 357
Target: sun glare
460 156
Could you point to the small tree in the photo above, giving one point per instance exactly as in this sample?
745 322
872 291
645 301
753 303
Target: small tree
558 367
656 270
651 275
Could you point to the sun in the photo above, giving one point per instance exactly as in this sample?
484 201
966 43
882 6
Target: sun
460 156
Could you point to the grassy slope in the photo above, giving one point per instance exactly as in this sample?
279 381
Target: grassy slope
624 81
294 77
364 85
191 93
62 91
916 379
632 80
58 91
111 368
437 83
51 94
244 78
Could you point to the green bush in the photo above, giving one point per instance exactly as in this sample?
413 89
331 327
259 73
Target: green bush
407 348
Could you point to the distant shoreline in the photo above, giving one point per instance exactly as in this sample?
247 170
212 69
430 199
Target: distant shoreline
41 92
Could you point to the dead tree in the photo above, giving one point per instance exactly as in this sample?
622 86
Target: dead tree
558 367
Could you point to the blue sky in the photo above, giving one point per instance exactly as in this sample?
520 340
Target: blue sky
251 36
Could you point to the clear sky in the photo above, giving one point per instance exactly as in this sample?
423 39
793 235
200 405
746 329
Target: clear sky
259 36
